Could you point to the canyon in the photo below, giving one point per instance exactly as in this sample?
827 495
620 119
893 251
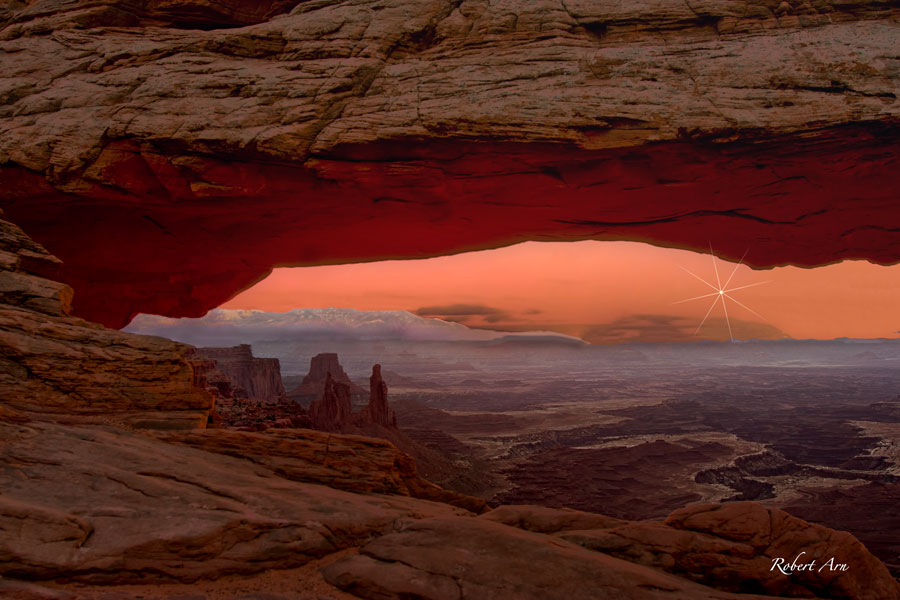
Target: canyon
158 157
97 505
638 438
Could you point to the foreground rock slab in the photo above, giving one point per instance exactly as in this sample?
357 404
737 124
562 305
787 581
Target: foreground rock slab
541 519
459 559
104 505
302 583
728 546
348 462
101 505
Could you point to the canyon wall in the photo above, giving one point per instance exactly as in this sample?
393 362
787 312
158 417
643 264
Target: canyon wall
54 364
260 378
320 366
94 502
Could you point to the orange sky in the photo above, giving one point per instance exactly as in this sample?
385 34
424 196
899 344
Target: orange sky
604 291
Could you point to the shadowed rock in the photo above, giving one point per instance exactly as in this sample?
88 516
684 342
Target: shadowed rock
104 505
52 363
348 462
259 377
218 153
313 383
333 408
726 547
541 519
732 547
469 559
378 410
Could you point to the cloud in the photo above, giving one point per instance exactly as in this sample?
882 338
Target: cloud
639 328
464 313
453 318
669 328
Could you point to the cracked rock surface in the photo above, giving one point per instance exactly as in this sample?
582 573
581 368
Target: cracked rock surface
102 505
324 131
728 548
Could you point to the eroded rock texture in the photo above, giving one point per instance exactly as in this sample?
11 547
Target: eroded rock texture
260 378
89 506
37 16
348 462
732 546
313 383
179 165
333 409
101 505
333 394
86 497
105 505
729 548
378 410
55 364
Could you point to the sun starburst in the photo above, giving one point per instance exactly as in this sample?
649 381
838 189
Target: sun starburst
721 293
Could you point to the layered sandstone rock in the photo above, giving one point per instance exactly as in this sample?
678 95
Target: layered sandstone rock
541 519
189 14
260 378
378 410
321 365
25 265
313 382
346 462
727 547
55 364
774 533
853 509
170 167
244 415
104 505
683 124
469 559
234 409
96 502
333 409
732 547
223 386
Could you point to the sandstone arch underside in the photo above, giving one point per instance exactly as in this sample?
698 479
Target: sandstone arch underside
169 167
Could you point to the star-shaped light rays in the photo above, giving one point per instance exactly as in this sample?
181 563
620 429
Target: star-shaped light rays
721 293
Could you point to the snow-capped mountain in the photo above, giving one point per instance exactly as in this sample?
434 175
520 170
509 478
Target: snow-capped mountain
225 326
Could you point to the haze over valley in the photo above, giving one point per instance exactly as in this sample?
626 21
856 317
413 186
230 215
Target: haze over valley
632 431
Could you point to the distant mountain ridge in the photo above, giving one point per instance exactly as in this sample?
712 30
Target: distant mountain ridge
230 326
